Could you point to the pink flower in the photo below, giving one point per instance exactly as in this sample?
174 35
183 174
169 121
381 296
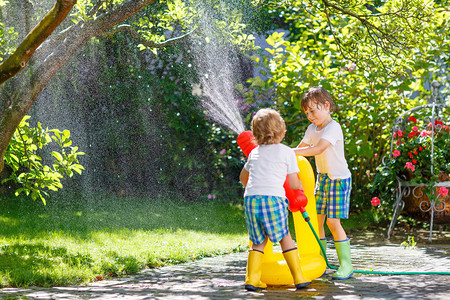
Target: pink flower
415 128
424 133
396 153
351 67
443 191
212 196
410 166
375 201
222 152
398 133
376 154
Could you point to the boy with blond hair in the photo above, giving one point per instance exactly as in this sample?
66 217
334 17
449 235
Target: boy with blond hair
266 206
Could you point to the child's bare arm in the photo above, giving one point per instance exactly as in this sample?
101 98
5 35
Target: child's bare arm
302 145
294 182
243 177
312 150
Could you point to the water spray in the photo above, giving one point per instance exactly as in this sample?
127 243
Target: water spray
298 201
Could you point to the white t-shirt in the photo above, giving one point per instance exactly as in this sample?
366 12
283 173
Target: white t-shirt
268 166
332 161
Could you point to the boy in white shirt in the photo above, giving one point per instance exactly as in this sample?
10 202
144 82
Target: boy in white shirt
325 141
266 206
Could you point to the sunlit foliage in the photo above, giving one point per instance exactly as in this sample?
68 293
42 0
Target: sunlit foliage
370 90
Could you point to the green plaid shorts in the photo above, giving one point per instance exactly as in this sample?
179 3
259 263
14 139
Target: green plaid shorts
333 196
266 216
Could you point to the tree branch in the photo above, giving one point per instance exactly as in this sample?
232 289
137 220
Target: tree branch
146 43
17 61
334 36
349 13
52 42
95 8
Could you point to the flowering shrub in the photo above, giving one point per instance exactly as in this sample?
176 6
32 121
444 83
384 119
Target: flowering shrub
412 156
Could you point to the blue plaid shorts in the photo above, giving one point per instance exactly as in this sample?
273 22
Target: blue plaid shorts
266 216
333 196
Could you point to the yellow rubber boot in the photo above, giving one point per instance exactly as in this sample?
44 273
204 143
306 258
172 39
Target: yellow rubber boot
293 261
253 275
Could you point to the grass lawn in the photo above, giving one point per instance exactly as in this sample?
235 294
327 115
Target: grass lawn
77 240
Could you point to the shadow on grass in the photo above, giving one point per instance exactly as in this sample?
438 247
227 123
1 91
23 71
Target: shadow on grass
24 264
82 216
107 236
27 264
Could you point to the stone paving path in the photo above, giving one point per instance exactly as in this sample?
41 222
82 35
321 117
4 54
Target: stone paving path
222 278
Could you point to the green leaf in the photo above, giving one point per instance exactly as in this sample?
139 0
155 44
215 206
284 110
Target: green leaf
58 156
66 134
270 40
67 143
14 157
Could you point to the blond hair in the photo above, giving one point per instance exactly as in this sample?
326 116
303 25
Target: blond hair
268 127
319 96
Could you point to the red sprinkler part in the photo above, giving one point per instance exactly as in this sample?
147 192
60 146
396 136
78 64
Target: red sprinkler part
246 141
297 198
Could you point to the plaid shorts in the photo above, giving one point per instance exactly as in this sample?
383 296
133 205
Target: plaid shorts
266 216
333 196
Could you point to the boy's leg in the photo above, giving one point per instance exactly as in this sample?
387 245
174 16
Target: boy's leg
321 220
336 229
290 254
259 239
287 242
323 239
261 246
254 264
321 206
323 243
339 201
321 194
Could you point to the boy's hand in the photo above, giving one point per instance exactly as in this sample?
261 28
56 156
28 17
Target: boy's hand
243 177
295 196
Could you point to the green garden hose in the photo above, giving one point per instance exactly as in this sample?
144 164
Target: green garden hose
307 219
